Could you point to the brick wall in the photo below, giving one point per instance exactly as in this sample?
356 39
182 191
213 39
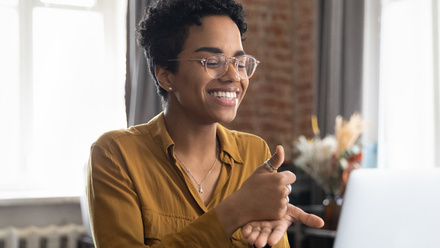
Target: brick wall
280 99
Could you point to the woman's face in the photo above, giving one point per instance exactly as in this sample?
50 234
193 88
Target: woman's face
195 94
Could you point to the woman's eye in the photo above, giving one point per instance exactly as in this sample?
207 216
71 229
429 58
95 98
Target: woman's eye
212 63
241 64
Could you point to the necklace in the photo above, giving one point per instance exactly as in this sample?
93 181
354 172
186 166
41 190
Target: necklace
191 175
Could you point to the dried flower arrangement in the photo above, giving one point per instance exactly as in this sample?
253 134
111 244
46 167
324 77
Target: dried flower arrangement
330 160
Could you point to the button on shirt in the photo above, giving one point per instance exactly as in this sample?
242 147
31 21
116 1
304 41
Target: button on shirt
139 197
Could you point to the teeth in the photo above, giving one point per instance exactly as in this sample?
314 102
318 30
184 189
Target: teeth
225 95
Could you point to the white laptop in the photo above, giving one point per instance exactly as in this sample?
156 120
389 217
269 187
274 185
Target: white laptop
390 209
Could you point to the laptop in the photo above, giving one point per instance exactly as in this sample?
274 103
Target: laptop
390 209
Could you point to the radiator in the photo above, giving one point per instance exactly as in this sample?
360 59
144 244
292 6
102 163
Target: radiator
41 237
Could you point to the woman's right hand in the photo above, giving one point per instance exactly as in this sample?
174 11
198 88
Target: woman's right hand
263 196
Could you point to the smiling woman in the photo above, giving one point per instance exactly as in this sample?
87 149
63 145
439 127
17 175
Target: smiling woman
183 179
62 84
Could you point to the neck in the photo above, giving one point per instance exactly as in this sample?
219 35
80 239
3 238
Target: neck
191 138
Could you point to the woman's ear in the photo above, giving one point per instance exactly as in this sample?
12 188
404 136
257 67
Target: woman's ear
164 77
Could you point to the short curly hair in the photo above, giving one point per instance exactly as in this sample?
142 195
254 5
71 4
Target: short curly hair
164 29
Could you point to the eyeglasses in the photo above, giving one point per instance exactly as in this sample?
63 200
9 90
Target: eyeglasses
217 65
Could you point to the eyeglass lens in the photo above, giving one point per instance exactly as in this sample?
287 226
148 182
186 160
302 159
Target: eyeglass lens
217 65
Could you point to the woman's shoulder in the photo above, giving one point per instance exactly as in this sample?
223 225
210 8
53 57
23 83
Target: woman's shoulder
118 135
151 135
245 137
244 147
241 139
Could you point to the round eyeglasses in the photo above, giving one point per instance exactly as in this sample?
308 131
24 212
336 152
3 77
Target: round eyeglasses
217 65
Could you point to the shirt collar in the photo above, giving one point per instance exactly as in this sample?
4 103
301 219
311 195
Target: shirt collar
159 133
228 143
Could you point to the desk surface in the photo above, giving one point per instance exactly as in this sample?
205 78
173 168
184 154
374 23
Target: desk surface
323 233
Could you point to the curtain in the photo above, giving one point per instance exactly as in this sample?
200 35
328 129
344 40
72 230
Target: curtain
141 100
340 38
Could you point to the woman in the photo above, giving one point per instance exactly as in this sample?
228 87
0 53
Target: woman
182 179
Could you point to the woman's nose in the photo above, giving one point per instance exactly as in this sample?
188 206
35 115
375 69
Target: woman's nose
231 74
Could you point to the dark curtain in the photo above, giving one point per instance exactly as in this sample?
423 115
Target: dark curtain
339 86
141 100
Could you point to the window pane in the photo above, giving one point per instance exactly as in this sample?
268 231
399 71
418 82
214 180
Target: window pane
76 97
83 3
407 98
8 3
9 96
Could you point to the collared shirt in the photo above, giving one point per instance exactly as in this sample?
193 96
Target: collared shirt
139 197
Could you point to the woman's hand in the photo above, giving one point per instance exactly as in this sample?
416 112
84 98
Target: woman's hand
263 196
261 233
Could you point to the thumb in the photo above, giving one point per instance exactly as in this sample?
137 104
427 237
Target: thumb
275 161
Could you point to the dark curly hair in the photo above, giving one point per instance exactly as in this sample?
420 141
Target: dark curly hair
164 29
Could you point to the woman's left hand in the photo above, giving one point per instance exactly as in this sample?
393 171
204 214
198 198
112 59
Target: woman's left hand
261 233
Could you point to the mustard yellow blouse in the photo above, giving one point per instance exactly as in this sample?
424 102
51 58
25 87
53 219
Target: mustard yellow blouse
139 197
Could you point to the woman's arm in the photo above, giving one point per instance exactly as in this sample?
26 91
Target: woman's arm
115 211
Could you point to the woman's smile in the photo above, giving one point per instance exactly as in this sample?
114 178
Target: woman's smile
225 97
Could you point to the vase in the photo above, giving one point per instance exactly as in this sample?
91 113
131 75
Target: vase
332 210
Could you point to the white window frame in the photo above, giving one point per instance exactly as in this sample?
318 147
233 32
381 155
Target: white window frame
436 34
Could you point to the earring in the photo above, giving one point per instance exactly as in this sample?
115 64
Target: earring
170 88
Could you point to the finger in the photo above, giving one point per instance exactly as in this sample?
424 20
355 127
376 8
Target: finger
289 187
287 178
275 161
246 231
310 220
277 158
253 237
276 235
255 233
262 238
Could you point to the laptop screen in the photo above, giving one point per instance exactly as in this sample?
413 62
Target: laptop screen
390 209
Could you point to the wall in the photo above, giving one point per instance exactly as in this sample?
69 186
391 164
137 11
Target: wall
280 98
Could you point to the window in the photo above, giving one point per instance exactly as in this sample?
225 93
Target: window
61 86
407 82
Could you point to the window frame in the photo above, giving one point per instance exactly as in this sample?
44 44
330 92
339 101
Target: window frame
436 48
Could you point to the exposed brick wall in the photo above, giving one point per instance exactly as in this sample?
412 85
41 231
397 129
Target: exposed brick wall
280 99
